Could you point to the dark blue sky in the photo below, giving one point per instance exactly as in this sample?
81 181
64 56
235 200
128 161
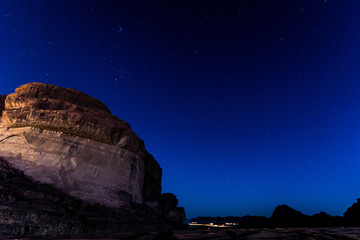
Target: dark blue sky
245 104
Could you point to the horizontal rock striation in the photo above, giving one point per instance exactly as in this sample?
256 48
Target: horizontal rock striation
69 111
83 168
65 138
47 91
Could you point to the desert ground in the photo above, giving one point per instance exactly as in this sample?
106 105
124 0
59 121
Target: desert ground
258 234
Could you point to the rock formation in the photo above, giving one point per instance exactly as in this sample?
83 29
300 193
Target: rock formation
284 212
69 140
352 214
286 216
28 208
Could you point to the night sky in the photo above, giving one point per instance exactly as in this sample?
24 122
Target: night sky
246 105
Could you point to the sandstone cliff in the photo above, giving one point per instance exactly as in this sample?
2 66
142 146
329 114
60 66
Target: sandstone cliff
65 138
32 210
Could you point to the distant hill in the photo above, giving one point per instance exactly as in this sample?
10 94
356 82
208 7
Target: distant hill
285 216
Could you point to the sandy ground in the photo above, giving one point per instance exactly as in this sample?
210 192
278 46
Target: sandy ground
268 234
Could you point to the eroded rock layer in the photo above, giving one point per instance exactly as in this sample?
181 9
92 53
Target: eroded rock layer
83 168
65 138
69 111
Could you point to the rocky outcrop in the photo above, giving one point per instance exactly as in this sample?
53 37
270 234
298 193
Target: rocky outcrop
352 214
83 168
28 208
354 210
69 111
285 216
69 140
284 211
169 210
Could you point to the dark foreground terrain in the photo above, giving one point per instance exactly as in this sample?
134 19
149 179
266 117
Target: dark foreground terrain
29 208
269 234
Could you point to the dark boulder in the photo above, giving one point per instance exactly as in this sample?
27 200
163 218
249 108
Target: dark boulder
169 209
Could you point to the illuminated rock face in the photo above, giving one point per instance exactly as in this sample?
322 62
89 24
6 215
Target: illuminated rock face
70 140
69 111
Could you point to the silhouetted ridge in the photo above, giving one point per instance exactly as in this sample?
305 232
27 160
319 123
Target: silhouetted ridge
284 212
354 210
285 216
352 214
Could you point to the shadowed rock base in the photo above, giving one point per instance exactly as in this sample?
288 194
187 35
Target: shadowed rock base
31 209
